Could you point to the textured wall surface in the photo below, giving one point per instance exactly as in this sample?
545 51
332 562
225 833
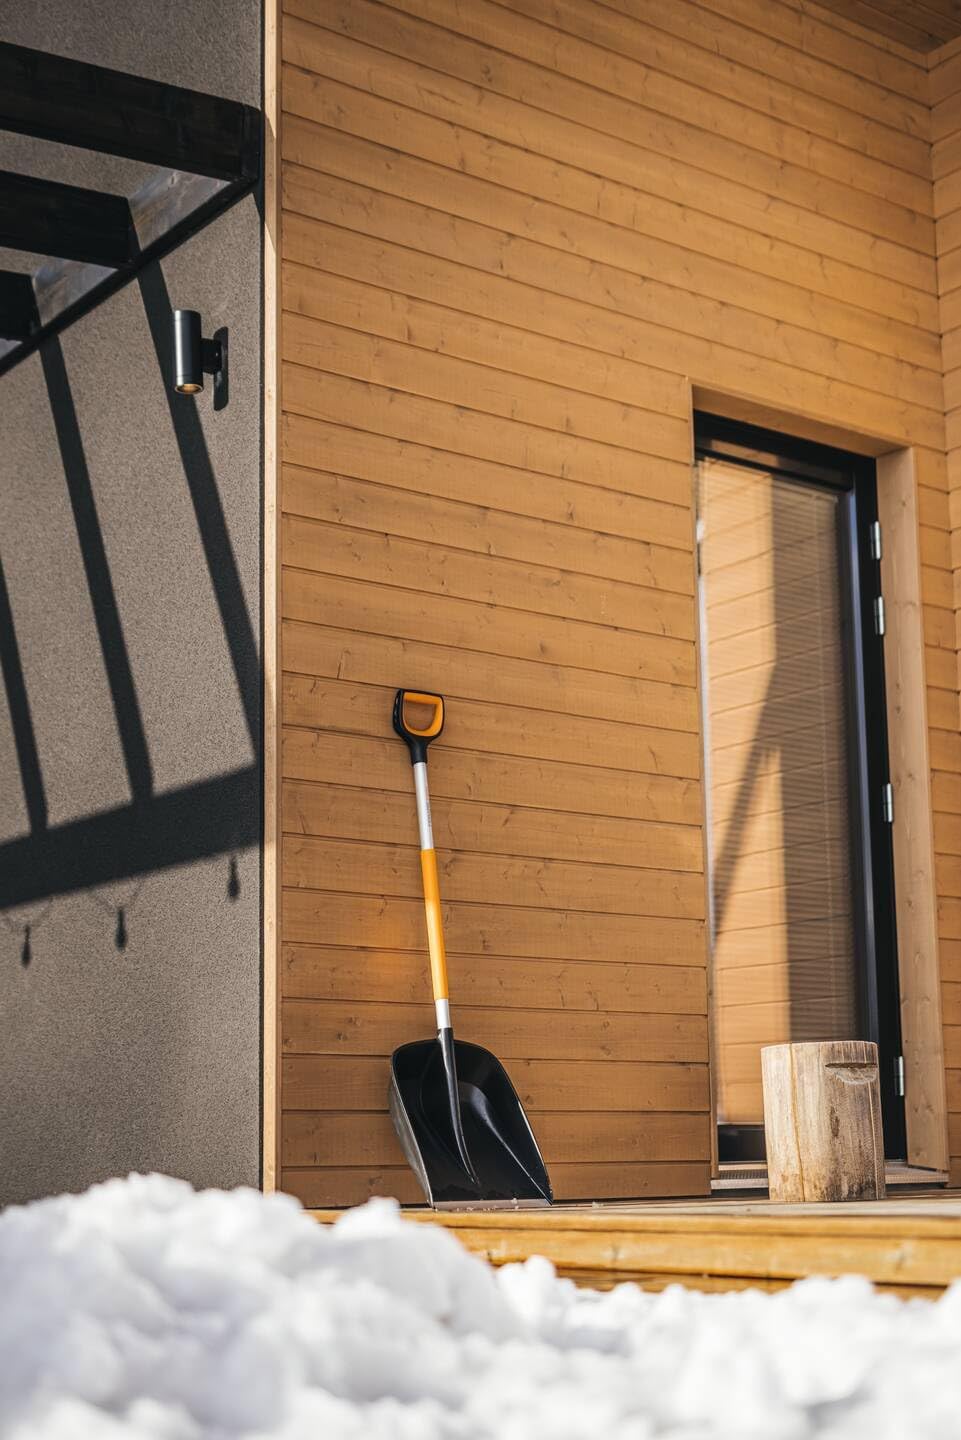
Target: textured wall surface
130 546
514 236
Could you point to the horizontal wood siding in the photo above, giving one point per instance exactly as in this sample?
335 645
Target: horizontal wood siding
513 237
945 720
923 25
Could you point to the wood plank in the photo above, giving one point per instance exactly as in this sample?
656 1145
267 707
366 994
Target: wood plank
939 627
319 703
316 1082
952 1047
610 534
620 32
597 217
319 206
945 749
325 651
943 709
310 918
911 28
935 548
448 330
947 834
414 369
332 1028
911 1248
466 625
949 917
940 668
353 1139
859 344
912 752
932 506
815 31
477 825
951 1003
734 31
363 867
954 1135
704 340
318 1188
444 425
946 792
326 973
383 556
343 1187
498 779
354 207
950 951
518 59
945 117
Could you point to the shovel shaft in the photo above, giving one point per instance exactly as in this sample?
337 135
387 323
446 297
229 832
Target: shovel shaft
435 936
435 924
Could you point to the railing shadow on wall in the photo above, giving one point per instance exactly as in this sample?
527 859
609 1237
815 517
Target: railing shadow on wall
213 816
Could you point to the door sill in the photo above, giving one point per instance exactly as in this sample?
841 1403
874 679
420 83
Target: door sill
746 1175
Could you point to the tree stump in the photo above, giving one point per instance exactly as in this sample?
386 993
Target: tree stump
822 1121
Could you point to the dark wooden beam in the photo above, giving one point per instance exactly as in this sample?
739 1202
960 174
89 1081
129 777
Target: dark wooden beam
18 306
53 98
51 219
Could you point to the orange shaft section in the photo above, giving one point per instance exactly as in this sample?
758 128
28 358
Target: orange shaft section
435 926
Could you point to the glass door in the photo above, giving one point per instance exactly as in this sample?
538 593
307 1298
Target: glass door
799 855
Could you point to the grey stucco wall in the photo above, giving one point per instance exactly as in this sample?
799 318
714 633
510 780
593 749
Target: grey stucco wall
130 541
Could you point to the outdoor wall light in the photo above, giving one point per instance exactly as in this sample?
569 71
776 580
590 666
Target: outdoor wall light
193 355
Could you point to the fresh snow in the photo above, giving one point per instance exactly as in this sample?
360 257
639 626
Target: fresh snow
144 1309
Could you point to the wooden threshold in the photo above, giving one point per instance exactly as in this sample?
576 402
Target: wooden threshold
909 1246
744 1175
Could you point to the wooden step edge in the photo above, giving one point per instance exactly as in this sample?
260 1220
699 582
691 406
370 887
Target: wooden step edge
764 1221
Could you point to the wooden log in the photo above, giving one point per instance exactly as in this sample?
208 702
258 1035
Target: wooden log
822 1120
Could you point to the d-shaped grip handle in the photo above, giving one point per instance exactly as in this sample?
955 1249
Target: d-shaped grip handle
417 738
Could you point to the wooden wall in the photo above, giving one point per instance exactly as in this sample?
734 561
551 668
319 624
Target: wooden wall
946 754
514 235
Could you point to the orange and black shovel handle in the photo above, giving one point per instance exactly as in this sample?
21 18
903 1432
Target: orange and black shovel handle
417 738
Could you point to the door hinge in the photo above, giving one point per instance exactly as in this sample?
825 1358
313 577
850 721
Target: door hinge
876 540
879 615
887 803
899 1075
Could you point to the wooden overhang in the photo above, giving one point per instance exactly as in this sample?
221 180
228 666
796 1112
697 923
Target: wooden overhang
207 154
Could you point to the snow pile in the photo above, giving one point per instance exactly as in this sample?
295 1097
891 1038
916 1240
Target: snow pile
142 1309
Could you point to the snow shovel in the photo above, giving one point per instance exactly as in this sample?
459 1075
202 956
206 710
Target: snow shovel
456 1113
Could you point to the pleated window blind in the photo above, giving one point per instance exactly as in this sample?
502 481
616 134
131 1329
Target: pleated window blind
777 771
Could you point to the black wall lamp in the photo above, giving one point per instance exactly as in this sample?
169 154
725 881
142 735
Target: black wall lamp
195 357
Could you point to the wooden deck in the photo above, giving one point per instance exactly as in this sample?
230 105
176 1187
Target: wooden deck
908 1246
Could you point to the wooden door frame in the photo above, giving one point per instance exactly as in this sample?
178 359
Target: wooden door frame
913 831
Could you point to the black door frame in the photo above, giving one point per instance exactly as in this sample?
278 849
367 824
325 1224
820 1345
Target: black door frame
854 479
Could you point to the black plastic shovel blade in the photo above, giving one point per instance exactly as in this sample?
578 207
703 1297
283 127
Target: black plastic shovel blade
505 1165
